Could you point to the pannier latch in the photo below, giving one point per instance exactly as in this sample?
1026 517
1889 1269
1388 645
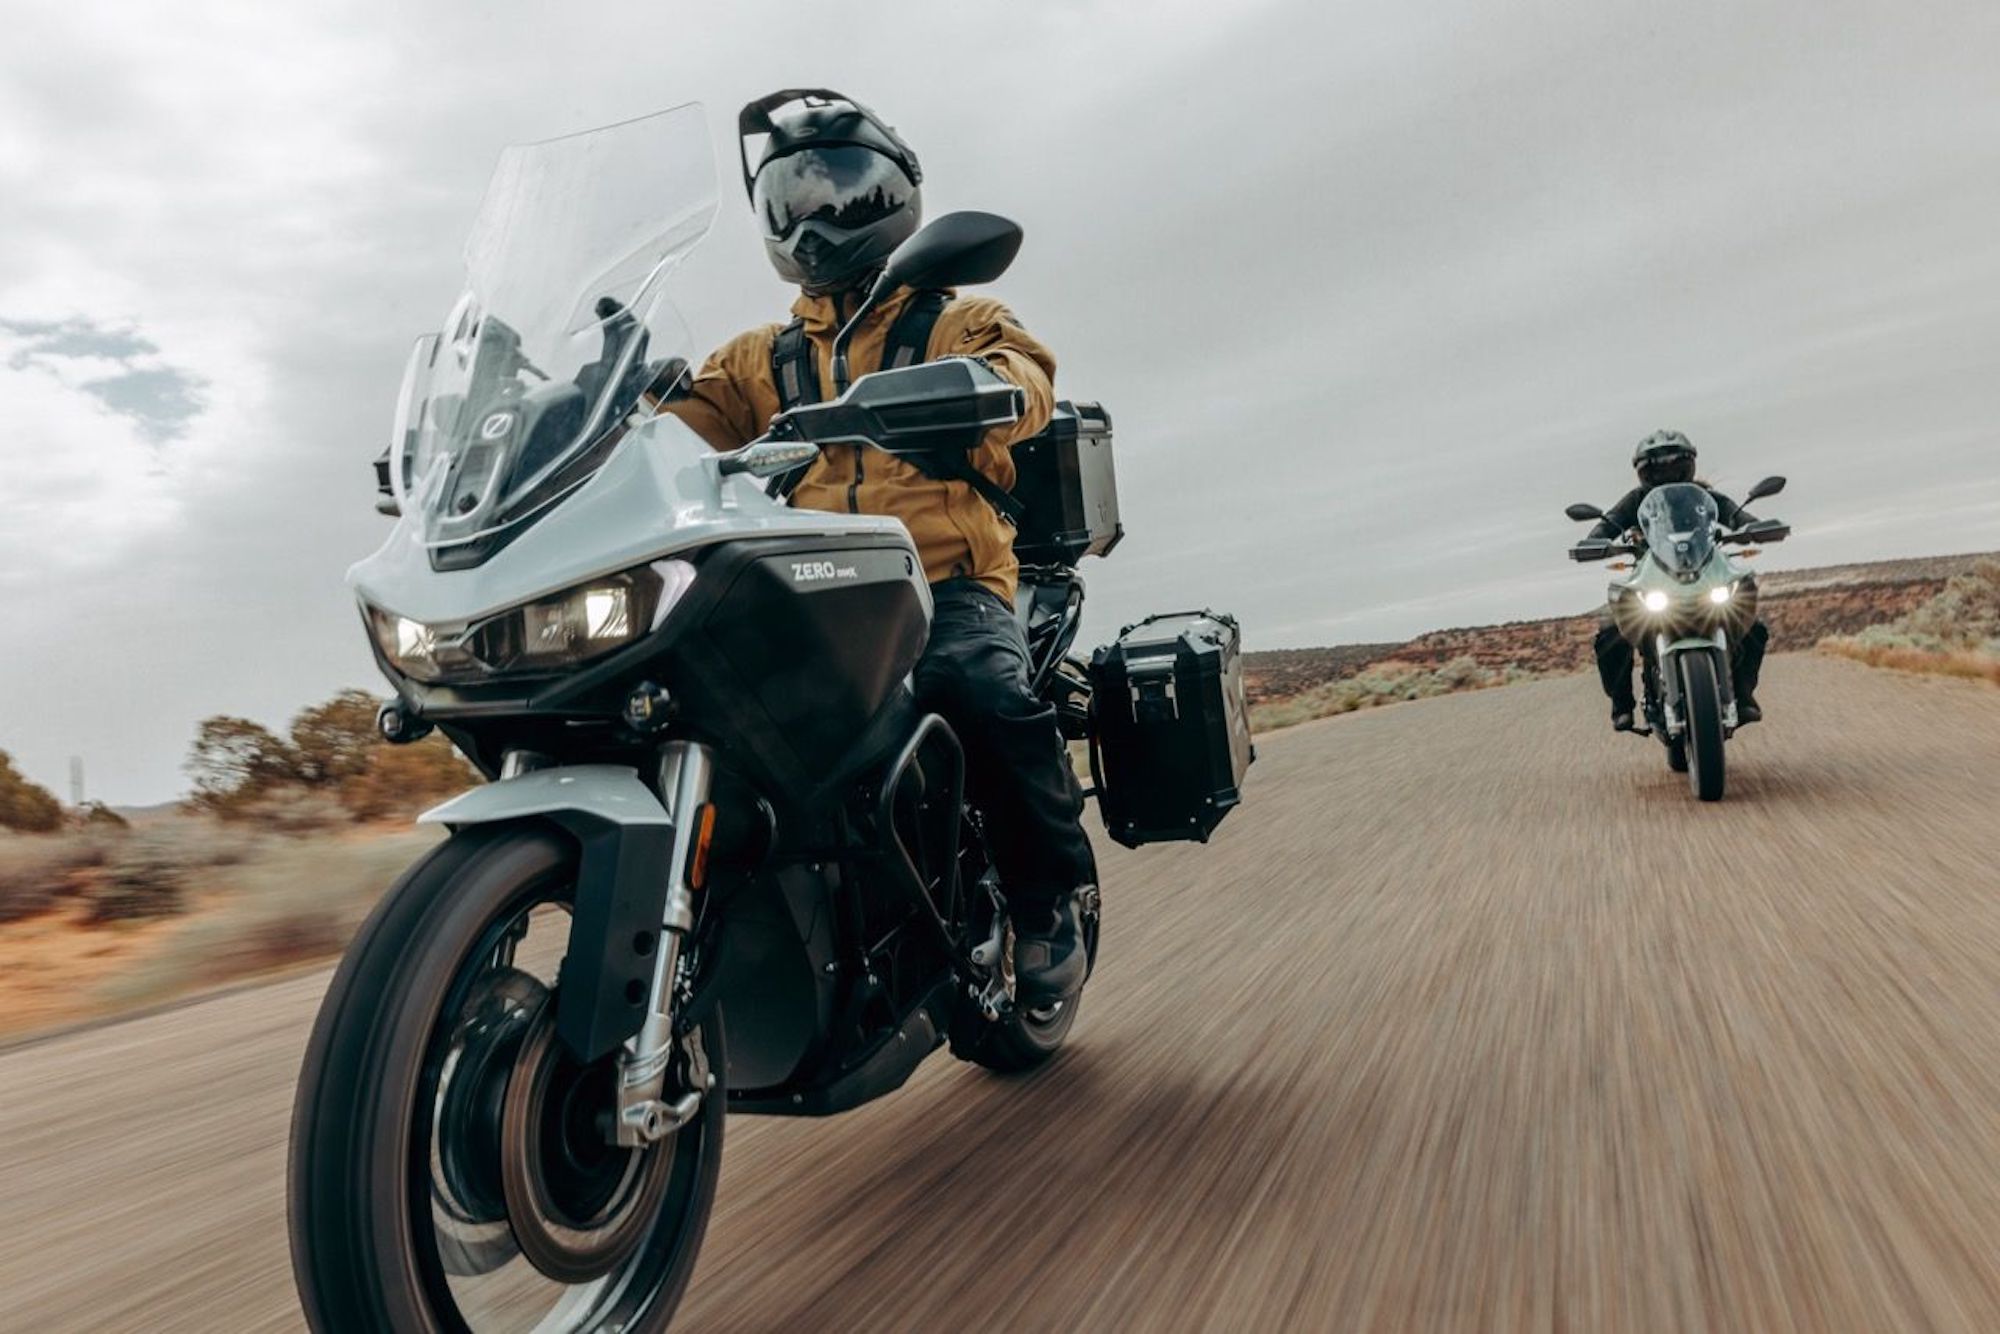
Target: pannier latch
1153 697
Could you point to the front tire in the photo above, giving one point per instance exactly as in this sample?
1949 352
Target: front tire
398 1213
1701 695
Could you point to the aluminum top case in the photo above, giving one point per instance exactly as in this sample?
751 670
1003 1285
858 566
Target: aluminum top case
1172 728
1064 479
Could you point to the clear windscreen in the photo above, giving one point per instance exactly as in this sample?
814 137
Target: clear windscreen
1678 522
562 327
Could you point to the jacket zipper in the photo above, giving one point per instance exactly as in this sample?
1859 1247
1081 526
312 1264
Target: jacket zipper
854 487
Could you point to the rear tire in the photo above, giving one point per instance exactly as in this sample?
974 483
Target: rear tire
1701 695
1023 1039
367 1252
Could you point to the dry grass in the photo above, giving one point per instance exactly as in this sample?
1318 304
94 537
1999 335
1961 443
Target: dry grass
1970 664
1956 633
1384 683
98 921
37 871
294 901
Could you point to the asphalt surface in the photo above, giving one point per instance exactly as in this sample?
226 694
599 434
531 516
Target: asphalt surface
1471 1018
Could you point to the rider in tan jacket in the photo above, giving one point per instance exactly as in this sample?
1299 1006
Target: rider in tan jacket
835 191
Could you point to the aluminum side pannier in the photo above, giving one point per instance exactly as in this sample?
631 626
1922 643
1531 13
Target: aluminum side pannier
1172 728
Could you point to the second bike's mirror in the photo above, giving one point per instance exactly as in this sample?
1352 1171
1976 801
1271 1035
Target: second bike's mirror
1582 511
1770 486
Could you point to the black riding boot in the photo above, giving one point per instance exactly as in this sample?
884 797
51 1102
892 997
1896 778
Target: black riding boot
1745 668
974 673
1614 671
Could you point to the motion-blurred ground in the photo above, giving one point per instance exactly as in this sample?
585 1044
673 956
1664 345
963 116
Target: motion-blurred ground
1470 1019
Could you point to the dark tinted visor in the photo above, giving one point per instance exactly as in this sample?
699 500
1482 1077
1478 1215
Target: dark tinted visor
846 185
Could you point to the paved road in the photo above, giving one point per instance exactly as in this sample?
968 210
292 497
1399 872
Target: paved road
1471 1018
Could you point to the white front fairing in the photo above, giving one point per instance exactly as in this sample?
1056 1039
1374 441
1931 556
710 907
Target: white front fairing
658 494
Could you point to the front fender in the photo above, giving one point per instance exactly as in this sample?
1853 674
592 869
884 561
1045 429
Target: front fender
625 841
606 791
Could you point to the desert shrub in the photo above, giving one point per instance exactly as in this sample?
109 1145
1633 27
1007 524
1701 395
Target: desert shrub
288 901
400 781
291 809
38 870
1956 633
333 766
1965 614
234 762
1384 683
333 742
136 889
96 815
28 807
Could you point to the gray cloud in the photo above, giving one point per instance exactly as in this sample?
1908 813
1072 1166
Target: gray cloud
162 399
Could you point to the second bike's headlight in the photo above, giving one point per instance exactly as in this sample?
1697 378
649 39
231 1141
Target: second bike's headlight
1655 599
551 633
1721 594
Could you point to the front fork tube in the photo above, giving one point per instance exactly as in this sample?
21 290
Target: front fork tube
686 772
1725 679
1670 685
1670 682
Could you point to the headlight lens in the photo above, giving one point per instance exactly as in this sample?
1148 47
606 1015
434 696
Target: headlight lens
1655 599
1721 593
568 628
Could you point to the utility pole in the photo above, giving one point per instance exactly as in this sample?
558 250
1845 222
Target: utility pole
76 780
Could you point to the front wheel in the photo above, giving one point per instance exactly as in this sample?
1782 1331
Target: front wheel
450 1168
1701 695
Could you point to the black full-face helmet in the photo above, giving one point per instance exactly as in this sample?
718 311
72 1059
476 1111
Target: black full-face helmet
834 188
1663 457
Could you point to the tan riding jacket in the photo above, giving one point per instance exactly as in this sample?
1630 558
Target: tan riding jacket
957 532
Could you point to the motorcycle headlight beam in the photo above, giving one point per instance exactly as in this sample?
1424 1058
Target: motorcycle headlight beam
1655 599
1721 594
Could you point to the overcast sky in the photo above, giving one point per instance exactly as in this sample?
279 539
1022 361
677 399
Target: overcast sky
1372 289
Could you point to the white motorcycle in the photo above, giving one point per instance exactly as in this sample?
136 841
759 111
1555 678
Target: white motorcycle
1682 606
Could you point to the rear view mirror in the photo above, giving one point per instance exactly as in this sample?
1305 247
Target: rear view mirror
955 250
1582 512
1770 486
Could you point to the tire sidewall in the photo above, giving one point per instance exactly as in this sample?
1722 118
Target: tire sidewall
366 1061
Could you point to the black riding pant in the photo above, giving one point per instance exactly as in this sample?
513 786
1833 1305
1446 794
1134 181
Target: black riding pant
1614 663
974 673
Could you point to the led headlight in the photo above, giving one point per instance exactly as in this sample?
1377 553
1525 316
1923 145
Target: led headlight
411 645
1721 593
1655 599
570 627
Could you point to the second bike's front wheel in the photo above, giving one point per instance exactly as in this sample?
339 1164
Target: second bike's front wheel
1702 698
450 1168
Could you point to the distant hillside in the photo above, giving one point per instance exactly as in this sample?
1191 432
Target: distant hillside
1801 606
